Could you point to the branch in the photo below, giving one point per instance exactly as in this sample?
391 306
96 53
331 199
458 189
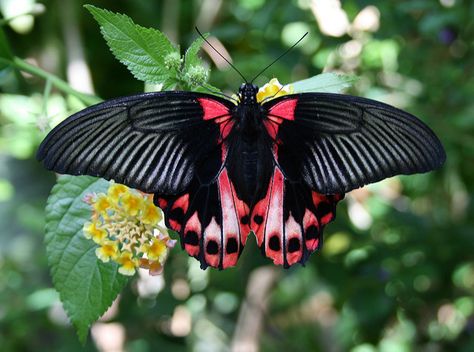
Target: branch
55 81
249 325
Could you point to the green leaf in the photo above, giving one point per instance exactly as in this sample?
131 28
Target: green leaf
142 50
191 58
195 75
325 83
86 286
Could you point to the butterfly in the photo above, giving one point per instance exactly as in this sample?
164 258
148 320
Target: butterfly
220 169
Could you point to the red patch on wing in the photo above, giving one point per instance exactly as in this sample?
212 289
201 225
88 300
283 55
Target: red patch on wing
214 110
212 243
162 203
274 222
312 230
284 110
259 214
182 202
294 243
230 239
267 219
271 128
192 235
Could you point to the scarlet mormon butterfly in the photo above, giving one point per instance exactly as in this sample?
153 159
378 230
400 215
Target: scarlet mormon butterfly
220 169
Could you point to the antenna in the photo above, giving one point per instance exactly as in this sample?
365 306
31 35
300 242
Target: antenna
222 56
279 57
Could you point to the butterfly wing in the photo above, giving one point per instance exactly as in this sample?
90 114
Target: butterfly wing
336 143
323 146
155 142
208 218
289 221
171 144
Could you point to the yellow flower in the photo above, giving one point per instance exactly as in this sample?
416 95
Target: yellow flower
116 190
128 264
127 226
102 205
92 231
150 213
132 203
273 89
108 250
156 250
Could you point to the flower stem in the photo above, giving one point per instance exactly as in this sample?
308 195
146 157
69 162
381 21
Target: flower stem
55 81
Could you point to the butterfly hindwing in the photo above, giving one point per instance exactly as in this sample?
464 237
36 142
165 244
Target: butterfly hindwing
288 222
336 143
208 219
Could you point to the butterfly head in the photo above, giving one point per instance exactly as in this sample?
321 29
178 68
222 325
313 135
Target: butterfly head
248 94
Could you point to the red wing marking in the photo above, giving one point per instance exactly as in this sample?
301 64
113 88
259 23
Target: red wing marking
294 243
243 216
259 215
192 235
311 229
162 203
214 110
274 230
284 110
180 205
271 128
267 219
230 239
212 243
182 202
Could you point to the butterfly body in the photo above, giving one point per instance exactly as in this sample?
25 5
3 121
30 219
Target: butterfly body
249 158
221 169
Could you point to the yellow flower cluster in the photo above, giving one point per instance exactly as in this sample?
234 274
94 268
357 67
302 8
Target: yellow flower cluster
273 89
127 227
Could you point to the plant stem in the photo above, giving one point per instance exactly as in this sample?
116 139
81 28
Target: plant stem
55 81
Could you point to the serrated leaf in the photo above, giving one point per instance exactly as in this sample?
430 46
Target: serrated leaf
325 83
142 50
86 286
191 58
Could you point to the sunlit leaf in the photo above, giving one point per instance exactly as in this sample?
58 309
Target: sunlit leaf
86 286
142 50
325 83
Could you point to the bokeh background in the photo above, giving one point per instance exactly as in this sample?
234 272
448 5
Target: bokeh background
397 269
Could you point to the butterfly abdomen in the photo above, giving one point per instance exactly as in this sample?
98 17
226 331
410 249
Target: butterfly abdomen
250 167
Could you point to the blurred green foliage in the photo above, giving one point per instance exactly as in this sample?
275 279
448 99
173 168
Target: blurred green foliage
397 271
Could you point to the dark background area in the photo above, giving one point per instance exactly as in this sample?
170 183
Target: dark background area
397 269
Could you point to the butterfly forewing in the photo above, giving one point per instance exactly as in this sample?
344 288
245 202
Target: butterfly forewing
336 143
152 142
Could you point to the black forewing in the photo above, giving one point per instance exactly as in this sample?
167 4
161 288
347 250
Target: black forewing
151 141
337 143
